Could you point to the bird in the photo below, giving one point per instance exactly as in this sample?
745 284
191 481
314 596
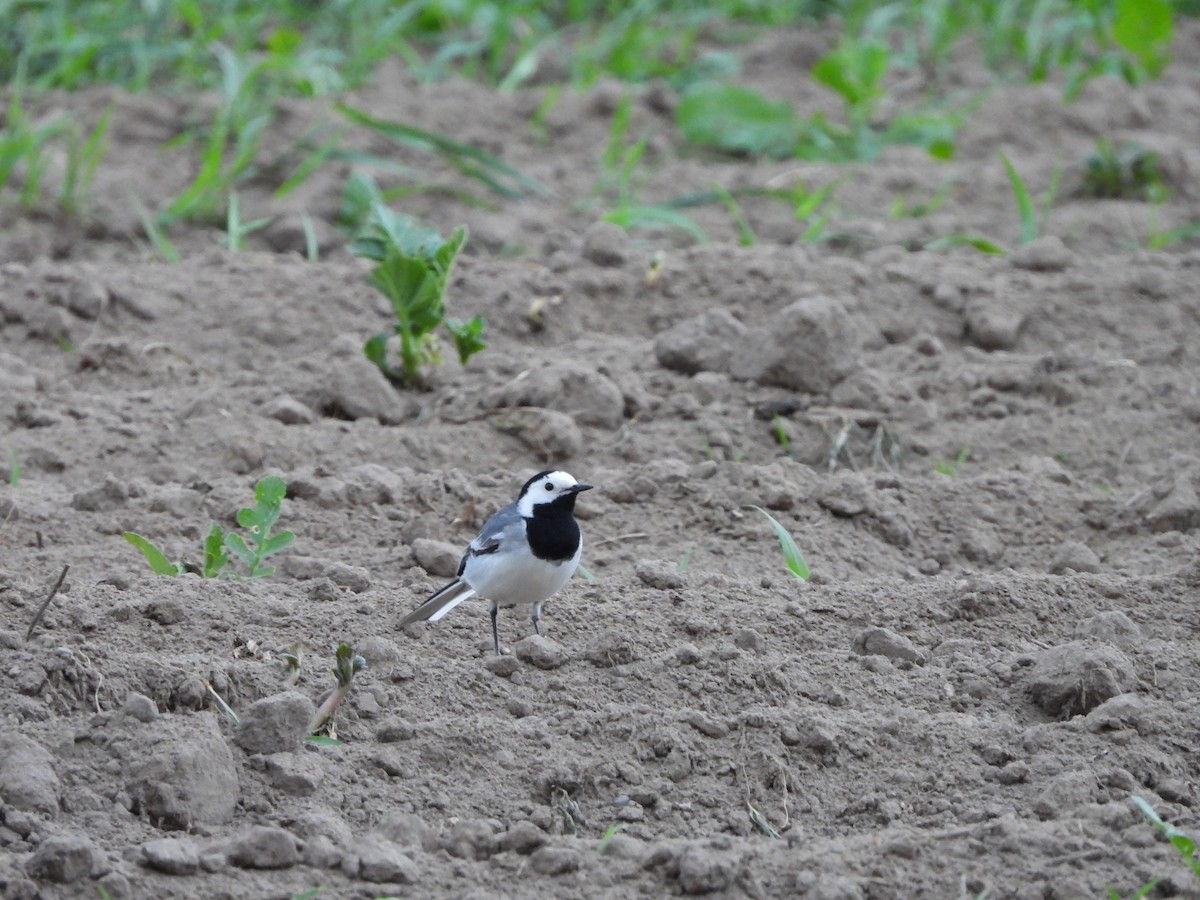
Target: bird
522 555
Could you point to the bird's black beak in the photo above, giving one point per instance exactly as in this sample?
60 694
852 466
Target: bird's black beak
580 486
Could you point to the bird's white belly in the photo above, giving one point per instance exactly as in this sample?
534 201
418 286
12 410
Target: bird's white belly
508 580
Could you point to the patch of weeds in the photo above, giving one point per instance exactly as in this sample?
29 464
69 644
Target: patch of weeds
84 153
321 728
621 180
257 521
738 121
813 208
952 468
1124 170
234 138
412 272
23 146
902 208
490 171
791 553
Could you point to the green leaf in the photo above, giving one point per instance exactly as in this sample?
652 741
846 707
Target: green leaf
1025 207
856 72
237 544
1145 29
375 349
737 120
156 558
321 740
468 336
215 556
276 542
982 244
791 553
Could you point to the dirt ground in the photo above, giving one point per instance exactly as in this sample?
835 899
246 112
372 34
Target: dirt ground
989 661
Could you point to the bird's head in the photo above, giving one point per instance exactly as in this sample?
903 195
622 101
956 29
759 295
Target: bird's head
552 488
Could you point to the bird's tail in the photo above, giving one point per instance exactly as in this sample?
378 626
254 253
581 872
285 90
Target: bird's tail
440 603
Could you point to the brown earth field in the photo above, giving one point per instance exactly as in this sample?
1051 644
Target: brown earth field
989 462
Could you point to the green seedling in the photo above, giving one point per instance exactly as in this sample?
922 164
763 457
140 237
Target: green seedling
1145 29
951 469
1124 170
738 121
685 561
1033 219
813 208
24 148
791 553
781 435
961 239
269 493
412 272
83 158
1184 844
258 521
293 656
903 209
609 833
235 229
584 573
157 236
855 71
745 232
14 469
497 175
346 665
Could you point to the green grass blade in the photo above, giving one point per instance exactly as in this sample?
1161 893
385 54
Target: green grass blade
791 553
156 558
471 161
1025 206
982 244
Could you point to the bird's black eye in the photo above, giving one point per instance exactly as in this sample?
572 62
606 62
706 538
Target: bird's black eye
549 486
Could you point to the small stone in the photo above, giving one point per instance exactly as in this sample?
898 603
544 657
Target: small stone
885 642
658 574
523 838
704 343
354 578
63 859
706 724
1013 773
811 346
263 847
109 494
27 778
993 324
704 869
173 856
1044 254
1113 627
540 652
439 558
320 852
552 434
687 654
518 708
573 387
605 244
502 666
295 774
407 830
379 861
1075 678
289 411
1130 710
1074 555
140 707
611 648
554 860
392 730
471 839
275 724
182 773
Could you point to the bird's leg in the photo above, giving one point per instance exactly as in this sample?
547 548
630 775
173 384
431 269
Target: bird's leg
536 616
495 630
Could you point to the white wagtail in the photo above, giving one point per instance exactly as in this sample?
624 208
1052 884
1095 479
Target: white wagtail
522 555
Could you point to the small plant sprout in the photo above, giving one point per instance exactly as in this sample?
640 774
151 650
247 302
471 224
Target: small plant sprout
258 521
268 493
781 434
952 468
292 657
1033 219
609 833
1184 844
413 271
344 668
791 553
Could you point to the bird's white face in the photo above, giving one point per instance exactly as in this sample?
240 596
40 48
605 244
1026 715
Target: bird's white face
546 488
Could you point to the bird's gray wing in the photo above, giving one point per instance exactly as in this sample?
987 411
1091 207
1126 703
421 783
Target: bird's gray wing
502 529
